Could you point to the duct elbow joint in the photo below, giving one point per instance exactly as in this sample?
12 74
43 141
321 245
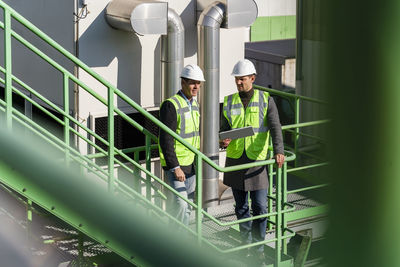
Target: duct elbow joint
213 16
175 24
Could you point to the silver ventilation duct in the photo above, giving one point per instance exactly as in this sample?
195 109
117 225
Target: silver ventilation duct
172 55
140 16
152 17
228 14
208 57
238 13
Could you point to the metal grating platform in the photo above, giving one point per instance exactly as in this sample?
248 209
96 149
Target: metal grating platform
228 237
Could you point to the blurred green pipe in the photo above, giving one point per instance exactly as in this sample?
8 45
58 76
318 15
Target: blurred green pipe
363 84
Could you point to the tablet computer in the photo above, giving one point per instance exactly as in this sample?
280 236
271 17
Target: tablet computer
237 133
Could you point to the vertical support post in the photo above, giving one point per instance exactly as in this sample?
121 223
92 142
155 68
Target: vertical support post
136 182
28 220
80 249
278 226
199 200
297 130
66 119
28 107
28 114
148 166
270 189
111 140
8 68
284 200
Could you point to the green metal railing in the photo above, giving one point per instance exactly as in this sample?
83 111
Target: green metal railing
295 129
72 128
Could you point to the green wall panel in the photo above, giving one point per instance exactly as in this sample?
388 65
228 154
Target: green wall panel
290 26
260 30
278 25
273 28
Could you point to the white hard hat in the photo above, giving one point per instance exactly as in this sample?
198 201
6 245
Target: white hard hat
243 67
192 72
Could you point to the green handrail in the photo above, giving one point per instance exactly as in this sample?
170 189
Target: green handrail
290 95
294 129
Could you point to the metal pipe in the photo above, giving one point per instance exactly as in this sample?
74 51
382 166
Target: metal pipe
208 28
139 16
172 55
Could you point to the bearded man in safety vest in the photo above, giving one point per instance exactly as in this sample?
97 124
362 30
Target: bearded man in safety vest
249 107
181 114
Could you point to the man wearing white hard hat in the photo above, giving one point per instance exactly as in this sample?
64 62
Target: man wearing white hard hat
249 107
181 114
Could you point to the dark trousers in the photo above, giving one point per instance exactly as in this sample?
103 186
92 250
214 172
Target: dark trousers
251 231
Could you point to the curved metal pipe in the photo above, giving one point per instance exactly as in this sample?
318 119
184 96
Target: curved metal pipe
208 27
138 16
172 54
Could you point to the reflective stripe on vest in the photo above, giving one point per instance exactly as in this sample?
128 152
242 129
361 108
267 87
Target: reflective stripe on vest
256 146
188 122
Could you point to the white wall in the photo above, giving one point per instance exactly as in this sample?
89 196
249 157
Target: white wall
268 8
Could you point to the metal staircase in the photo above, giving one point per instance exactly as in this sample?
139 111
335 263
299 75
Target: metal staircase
92 199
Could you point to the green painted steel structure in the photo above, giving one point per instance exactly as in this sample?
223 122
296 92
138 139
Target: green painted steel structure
283 213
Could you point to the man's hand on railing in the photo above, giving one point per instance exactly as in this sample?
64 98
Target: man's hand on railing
280 159
224 143
179 175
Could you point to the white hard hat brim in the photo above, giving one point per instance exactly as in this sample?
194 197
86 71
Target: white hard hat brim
197 79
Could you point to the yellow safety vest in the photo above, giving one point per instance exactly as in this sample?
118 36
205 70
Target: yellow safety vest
256 146
188 122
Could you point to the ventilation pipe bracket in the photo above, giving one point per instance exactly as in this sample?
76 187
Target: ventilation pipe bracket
139 16
239 13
